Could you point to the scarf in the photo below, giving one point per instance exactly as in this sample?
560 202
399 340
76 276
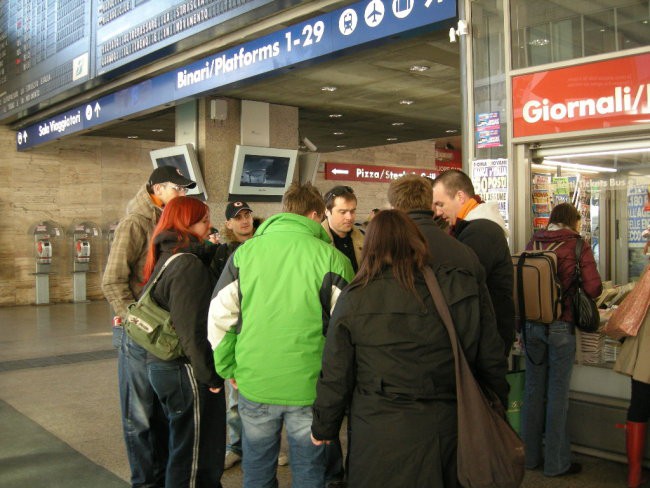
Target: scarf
468 206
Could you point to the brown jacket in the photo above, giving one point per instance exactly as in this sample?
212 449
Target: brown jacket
122 280
634 358
357 239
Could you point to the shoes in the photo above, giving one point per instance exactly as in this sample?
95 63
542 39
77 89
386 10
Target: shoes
283 459
575 468
232 458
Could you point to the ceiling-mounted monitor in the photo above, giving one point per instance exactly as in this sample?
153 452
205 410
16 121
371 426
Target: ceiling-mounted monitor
261 173
183 158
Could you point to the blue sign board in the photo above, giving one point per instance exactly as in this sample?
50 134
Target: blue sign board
352 26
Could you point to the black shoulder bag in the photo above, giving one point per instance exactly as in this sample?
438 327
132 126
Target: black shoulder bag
585 312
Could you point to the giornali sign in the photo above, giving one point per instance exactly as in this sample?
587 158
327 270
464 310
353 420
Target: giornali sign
590 96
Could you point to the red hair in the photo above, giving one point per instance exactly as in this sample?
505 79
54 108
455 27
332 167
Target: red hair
179 214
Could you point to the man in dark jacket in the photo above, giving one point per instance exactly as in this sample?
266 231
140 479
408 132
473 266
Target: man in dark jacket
413 194
481 226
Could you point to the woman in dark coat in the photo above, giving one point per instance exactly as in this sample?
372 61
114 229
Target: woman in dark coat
551 349
389 357
188 388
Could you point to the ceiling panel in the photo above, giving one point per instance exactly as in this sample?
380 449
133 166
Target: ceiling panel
370 85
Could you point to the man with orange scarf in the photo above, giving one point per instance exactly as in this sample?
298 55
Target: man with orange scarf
480 225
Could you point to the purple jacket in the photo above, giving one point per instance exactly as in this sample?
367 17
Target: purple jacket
566 262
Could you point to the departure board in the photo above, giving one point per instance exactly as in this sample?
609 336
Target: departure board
127 30
49 47
44 50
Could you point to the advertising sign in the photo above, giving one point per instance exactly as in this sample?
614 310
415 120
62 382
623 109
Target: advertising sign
604 94
355 25
370 173
490 180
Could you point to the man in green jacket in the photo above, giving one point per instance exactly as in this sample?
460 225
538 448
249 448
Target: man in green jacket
267 324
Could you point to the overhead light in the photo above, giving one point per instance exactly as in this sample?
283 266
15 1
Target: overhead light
157 130
419 68
579 167
541 167
397 124
451 131
406 102
604 153
328 88
338 133
341 146
132 137
391 138
336 116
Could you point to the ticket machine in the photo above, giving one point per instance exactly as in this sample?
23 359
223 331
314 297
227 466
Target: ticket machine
85 246
46 237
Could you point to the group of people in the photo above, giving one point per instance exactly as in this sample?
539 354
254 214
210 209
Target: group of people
311 320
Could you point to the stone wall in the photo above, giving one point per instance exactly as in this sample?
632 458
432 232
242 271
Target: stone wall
76 179
92 179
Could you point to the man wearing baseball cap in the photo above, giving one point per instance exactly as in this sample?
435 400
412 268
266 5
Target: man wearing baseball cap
122 284
238 228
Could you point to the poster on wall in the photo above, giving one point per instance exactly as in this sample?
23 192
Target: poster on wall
488 130
638 220
490 179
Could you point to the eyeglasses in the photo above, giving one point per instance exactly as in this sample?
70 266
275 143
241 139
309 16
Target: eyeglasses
178 188
337 191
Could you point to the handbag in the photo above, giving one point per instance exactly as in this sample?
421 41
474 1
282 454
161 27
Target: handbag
490 454
150 326
585 311
628 317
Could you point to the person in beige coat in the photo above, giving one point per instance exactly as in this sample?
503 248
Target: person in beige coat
634 361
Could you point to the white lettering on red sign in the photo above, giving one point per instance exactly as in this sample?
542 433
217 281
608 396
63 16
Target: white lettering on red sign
621 101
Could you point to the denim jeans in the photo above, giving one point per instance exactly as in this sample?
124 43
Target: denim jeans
234 420
262 427
196 418
146 447
546 399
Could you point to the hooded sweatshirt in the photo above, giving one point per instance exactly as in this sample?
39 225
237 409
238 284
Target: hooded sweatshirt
271 307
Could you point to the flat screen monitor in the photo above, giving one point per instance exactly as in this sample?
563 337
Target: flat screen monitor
262 172
183 158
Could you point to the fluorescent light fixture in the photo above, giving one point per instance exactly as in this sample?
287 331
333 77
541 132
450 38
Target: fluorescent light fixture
328 88
604 153
542 167
579 167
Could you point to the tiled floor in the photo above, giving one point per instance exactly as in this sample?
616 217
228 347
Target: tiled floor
59 412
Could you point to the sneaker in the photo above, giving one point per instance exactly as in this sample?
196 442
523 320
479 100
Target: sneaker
232 458
283 459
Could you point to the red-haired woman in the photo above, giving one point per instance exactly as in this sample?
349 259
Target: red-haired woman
189 389
388 354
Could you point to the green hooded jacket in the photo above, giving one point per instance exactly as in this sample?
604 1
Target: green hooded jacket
270 310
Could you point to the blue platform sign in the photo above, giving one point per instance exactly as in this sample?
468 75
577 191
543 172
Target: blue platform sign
335 32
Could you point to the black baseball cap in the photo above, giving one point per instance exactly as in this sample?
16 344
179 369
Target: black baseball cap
163 174
234 208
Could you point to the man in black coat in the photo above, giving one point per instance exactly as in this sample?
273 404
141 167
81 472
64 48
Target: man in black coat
413 194
481 226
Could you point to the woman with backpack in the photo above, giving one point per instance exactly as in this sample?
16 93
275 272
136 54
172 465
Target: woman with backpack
551 349
188 387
